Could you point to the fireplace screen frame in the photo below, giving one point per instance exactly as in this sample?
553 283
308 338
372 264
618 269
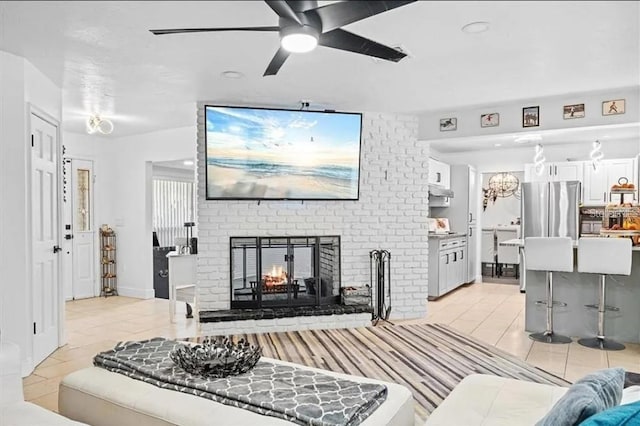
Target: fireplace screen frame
258 300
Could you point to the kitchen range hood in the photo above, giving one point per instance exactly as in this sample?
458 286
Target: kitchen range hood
440 191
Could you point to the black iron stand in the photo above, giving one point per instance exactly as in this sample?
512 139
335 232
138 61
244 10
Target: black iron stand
380 268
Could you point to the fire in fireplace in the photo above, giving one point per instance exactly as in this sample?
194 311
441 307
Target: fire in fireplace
285 271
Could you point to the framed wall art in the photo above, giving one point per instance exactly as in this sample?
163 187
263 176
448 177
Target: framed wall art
573 111
531 116
448 124
613 107
490 120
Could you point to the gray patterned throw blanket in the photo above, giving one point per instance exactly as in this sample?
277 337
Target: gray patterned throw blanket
295 394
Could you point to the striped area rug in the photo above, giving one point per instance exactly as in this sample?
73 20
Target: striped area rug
430 359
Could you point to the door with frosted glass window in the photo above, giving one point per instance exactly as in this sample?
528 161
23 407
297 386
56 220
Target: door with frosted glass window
84 283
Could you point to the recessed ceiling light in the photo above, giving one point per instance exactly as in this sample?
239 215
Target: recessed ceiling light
476 27
187 163
497 144
232 74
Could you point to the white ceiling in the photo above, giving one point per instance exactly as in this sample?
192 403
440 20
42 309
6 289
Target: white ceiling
106 60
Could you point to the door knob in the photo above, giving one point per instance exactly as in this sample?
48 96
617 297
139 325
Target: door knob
56 248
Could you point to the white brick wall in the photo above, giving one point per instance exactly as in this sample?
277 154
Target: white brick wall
391 214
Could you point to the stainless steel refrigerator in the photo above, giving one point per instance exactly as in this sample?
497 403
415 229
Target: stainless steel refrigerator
550 209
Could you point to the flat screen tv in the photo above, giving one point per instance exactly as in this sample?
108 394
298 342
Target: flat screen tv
278 154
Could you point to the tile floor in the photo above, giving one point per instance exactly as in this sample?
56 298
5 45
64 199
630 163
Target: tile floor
493 313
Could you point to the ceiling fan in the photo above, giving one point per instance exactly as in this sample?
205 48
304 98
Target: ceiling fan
303 25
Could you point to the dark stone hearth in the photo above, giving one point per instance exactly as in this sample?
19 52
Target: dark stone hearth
286 312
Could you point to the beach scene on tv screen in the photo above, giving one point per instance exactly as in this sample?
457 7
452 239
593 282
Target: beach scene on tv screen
261 153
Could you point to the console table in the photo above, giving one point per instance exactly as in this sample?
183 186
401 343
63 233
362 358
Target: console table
182 281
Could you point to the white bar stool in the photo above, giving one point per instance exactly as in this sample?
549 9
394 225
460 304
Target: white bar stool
549 254
604 256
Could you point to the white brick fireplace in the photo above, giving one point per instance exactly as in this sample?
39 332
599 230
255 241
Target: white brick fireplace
391 214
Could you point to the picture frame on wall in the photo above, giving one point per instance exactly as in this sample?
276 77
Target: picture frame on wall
490 120
448 124
573 111
531 116
613 107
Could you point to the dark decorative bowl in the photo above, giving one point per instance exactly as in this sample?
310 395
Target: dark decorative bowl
217 358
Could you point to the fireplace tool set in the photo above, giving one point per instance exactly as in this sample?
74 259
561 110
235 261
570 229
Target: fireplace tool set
380 267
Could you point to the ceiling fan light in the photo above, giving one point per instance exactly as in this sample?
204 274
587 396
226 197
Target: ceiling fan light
299 42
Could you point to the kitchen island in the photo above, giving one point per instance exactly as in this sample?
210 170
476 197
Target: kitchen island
577 290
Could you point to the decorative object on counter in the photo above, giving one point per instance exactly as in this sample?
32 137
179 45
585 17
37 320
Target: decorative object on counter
531 116
187 248
217 358
539 159
573 111
613 107
108 270
596 155
380 268
623 219
439 225
490 120
448 124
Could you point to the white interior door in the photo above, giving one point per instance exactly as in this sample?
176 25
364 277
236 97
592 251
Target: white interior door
83 251
44 218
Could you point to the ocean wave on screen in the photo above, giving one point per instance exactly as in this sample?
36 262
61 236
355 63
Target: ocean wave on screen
258 167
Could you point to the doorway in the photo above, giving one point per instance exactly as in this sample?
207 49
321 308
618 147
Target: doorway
500 222
45 228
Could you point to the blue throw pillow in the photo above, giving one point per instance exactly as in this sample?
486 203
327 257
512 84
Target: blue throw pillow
622 415
590 395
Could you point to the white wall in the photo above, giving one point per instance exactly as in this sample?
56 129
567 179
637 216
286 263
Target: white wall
551 116
390 214
21 85
514 159
128 179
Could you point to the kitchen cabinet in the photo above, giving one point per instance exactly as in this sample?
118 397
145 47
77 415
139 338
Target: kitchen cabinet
447 265
439 173
597 183
462 213
555 172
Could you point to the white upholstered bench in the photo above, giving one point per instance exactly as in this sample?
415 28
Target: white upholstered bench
102 398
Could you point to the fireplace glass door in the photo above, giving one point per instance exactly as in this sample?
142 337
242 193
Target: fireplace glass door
285 271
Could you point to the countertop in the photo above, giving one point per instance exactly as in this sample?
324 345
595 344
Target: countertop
446 236
520 243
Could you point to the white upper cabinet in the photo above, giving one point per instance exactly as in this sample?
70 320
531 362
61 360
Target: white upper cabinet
597 183
568 170
555 172
439 173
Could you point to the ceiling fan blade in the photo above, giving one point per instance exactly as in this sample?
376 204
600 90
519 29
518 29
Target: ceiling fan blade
277 61
337 15
344 40
302 5
284 10
205 30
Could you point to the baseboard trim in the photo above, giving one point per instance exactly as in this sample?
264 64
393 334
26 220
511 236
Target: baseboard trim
138 293
26 366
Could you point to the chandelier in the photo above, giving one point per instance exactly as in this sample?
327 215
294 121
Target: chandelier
97 124
501 185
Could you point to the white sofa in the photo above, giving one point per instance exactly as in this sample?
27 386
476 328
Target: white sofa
102 398
14 411
486 400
